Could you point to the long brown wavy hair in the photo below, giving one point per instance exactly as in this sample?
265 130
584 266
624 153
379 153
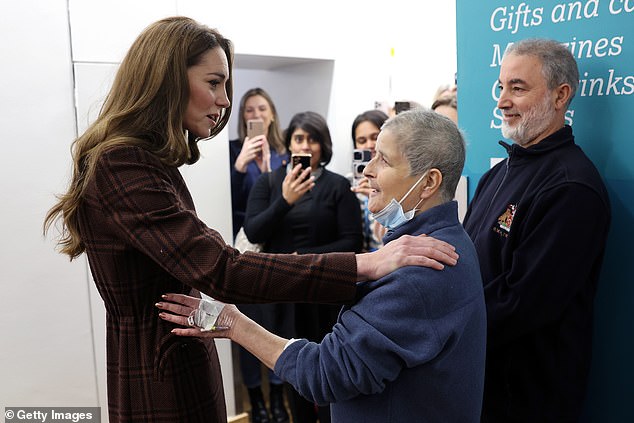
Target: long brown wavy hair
145 108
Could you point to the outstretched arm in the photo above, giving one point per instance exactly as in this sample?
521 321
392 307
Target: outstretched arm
156 222
367 348
231 323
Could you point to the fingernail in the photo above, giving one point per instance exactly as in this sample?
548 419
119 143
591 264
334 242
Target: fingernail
163 296
159 305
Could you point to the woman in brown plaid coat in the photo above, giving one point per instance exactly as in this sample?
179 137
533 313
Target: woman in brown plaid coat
128 208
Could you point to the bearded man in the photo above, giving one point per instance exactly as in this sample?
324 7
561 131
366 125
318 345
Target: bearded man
539 221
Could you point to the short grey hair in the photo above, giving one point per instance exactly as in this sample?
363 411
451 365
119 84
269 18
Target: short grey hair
430 140
558 64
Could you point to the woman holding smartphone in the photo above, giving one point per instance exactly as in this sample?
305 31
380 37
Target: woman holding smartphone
258 149
304 211
254 153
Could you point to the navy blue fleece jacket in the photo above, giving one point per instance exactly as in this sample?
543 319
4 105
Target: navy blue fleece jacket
539 221
411 349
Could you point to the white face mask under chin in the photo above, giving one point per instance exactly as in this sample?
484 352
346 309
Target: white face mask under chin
392 215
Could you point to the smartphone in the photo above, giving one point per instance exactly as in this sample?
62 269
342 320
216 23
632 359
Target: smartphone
303 159
255 127
361 156
360 159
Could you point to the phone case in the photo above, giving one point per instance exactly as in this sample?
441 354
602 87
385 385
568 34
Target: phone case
255 128
304 159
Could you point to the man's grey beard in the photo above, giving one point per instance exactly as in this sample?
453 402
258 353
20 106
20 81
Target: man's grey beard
532 123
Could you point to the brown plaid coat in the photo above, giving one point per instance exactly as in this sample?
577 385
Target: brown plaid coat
143 239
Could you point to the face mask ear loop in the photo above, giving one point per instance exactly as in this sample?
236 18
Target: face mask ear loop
417 204
412 188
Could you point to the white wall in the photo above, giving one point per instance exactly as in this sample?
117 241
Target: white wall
46 354
296 86
49 311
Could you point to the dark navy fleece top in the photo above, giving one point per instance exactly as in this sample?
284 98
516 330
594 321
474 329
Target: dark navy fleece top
539 221
411 349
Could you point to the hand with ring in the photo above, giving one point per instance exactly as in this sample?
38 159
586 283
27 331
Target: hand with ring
202 317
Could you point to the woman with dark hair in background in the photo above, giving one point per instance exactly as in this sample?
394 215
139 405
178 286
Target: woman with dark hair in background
365 131
316 215
366 128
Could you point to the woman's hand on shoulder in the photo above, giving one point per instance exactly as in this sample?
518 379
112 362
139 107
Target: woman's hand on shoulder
407 250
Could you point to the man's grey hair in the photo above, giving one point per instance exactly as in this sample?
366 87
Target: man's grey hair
558 64
430 140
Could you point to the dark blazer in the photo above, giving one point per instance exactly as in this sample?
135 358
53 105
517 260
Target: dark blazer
143 239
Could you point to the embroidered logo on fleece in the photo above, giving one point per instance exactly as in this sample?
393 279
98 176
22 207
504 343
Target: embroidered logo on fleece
504 222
